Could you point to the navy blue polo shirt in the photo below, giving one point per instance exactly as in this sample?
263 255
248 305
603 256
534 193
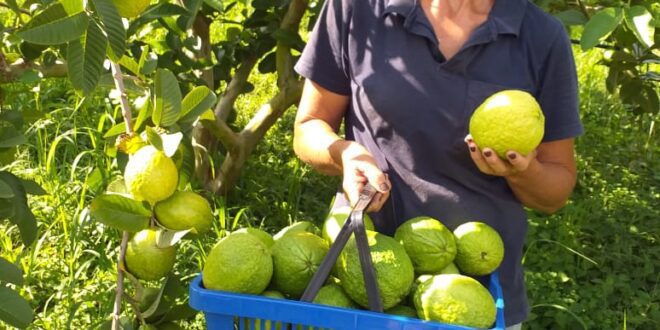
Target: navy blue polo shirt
410 107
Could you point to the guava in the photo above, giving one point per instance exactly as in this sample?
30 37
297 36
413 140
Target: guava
263 236
394 270
334 295
480 249
509 120
145 260
185 210
238 263
296 257
428 242
150 175
336 220
455 299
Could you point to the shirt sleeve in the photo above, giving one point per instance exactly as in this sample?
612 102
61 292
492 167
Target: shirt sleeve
323 59
558 91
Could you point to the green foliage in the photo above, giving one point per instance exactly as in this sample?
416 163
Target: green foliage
594 264
628 31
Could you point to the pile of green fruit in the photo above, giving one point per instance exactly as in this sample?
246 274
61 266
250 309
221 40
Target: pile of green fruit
423 271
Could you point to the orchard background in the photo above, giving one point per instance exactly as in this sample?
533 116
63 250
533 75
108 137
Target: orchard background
217 76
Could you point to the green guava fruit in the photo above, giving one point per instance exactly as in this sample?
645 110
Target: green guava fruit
455 299
429 244
147 261
263 236
394 270
509 120
150 175
336 220
480 248
185 210
238 263
296 257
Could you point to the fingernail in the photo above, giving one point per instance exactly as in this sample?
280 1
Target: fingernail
487 153
384 187
473 149
512 156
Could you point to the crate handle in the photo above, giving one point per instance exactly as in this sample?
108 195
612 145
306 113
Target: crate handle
354 224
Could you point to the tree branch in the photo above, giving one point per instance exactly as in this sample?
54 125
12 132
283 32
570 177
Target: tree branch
234 88
224 133
128 120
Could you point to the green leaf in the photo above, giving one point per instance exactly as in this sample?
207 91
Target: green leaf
85 59
130 64
600 26
10 137
9 273
196 102
638 20
167 98
171 143
53 26
113 27
72 6
144 113
571 17
33 188
115 130
22 216
6 208
5 190
215 4
167 238
154 138
14 309
120 212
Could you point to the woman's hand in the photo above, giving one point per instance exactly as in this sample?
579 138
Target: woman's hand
490 163
359 168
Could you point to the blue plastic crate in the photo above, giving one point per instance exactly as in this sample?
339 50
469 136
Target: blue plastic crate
229 311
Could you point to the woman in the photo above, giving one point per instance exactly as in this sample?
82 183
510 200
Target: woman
405 76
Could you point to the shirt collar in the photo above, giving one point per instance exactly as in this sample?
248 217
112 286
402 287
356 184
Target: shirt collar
506 15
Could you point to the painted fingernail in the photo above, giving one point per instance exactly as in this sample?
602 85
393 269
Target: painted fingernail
384 187
512 156
473 149
487 153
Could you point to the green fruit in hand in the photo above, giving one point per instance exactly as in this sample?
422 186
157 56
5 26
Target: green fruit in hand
402 310
263 236
150 175
300 226
480 248
185 210
336 220
296 257
510 120
238 263
147 261
428 242
334 295
394 270
131 8
455 299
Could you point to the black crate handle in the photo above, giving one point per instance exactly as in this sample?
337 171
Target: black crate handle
354 224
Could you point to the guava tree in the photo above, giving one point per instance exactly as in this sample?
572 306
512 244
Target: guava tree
626 31
175 87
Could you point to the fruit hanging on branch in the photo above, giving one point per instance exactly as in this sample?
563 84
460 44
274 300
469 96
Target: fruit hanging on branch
145 259
185 210
150 175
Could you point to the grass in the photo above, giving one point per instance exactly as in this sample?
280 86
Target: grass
594 264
